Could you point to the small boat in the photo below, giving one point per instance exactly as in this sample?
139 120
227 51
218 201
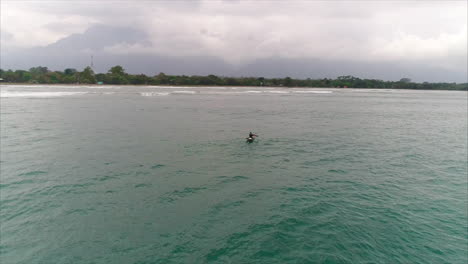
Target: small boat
250 139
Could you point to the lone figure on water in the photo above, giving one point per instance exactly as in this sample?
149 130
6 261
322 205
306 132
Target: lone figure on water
251 137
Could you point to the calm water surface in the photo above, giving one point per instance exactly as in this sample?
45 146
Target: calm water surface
163 175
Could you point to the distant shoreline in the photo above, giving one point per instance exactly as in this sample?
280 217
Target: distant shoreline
236 86
117 76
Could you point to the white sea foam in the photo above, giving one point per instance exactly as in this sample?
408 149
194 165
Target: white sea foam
26 92
236 92
60 86
154 94
184 92
371 90
316 92
10 94
243 92
183 87
277 92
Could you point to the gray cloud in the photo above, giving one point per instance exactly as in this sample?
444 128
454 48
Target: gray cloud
97 38
386 40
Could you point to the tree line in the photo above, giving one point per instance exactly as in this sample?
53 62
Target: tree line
117 75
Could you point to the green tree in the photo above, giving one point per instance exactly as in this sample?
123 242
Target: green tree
261 81
138 79
117 70
161 78
288 82
39 70
23 76
69 71
39 74
87 76
231 81
9 76
53 77
101 77
117 75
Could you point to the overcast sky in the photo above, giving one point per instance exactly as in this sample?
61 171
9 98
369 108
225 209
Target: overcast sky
424 40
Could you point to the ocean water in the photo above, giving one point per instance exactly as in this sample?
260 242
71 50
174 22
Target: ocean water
109 174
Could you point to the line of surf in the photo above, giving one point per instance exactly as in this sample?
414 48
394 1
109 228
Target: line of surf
11 94
313 92
237 92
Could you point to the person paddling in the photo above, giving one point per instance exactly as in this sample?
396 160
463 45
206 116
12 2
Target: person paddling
251 137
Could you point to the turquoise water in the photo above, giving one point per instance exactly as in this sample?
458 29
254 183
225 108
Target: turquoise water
163 175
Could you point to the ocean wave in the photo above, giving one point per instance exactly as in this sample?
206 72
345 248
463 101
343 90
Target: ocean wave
154 94
269 92
250 92
366 90
277 92
8 94
60 86
166 93
49 94
236 92
184 92
316 92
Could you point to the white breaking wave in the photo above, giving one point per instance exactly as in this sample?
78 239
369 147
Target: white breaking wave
166 93
247 92
253 92
232 93
371 90
317 92
277 92
154 94
181 87
184 92
51 94
60 86
8 94
269 92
